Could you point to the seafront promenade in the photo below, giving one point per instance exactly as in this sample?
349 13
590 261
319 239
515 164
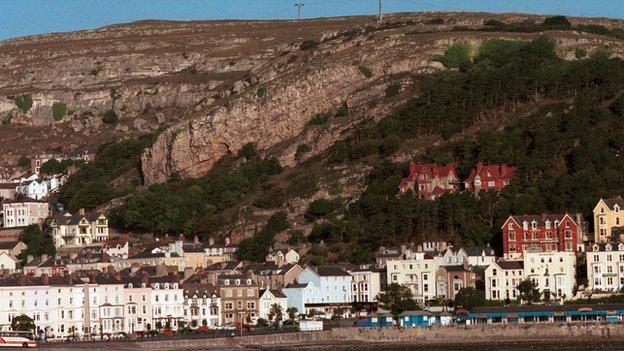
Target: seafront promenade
371 338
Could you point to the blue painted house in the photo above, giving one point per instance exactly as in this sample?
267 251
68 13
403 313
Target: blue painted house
377 320
410 319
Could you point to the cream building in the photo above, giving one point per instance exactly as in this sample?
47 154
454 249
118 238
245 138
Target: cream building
367 283
605 268
502 278
79 229
417 274
554 273
607 215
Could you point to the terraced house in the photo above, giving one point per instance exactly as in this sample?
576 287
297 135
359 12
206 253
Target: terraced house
605 267
417 274
79 229
608 215
239 299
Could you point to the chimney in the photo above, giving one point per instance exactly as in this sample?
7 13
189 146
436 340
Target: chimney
81 212
227 240
210 241
29 258
196 239
181 237
144 278
44 257
45 279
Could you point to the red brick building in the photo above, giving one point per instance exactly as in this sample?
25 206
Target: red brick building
428 181
489 177
451 279
545 232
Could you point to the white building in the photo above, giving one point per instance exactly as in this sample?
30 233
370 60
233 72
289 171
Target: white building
478 256
138 304
605 267
554 273
282 257
79 229
368 282
417 274
167 303
24 211
321 289
502 278
268 298
35 188
202 305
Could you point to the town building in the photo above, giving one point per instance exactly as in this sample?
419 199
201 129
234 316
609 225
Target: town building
282 257
36 161
239 299
268 298
367 283
608 216
12 248
79 229
271 276
553 272
477 256
35 189
489 177
202 305
321 289
417 274
137 294
605 267
545 232
428 181
451 279
502 278
24 211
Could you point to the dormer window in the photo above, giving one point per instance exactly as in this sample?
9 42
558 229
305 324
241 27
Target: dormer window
238 281
608 247
226 282
525 225
595 248
556 223
533 225
248 281
616 208
547 224
621 247
130 285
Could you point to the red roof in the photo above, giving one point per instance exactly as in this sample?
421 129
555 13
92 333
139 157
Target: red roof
439 191
492 172
430 169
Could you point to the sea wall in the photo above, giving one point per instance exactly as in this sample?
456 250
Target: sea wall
341 336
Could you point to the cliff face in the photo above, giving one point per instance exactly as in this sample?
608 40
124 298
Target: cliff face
212 87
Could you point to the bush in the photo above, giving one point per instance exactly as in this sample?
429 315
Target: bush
436 20
580 53
110 117
320 208
317 120
493 23
270 198
248 151
24 102
261 91
98 68
456 55
308 45
343 110
557 22
302 149
295 237
59 110
366 72
393 89
24 162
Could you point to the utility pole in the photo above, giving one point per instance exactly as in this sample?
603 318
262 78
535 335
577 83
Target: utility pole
299 6
380 11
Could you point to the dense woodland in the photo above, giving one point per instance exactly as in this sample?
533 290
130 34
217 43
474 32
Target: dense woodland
568 150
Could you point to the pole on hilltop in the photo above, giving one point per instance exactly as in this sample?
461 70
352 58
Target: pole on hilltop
299 5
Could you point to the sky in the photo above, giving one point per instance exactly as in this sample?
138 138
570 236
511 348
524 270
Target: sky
28 17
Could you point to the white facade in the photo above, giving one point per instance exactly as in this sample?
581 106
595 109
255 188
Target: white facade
167 304
502 278
367 284
202 308
605 268
138 307
24 213
34 189
554 272
270 297
7 263
79 229
418 275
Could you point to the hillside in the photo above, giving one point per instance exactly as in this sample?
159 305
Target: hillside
266 135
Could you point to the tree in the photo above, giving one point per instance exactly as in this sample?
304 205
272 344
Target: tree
275 314
528 291
37 243
397 298
468 298
22 323
110 117
23 162
292 313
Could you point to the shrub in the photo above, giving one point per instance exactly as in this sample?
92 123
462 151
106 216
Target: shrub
59 110
295 237
317 120
557 22
343 110
320 208
302 149
580 53
248 151
261 91
110 117
270 198
493 23
24 102
436 20
456 55
308 45
393 89
366 72
23 162
98 68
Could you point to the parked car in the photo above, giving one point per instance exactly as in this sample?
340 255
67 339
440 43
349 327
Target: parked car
168 332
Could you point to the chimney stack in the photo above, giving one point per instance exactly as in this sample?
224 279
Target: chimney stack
227 240
210 241
196 239
44 257
81 212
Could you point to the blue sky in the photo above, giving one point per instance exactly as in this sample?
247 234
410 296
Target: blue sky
28 17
